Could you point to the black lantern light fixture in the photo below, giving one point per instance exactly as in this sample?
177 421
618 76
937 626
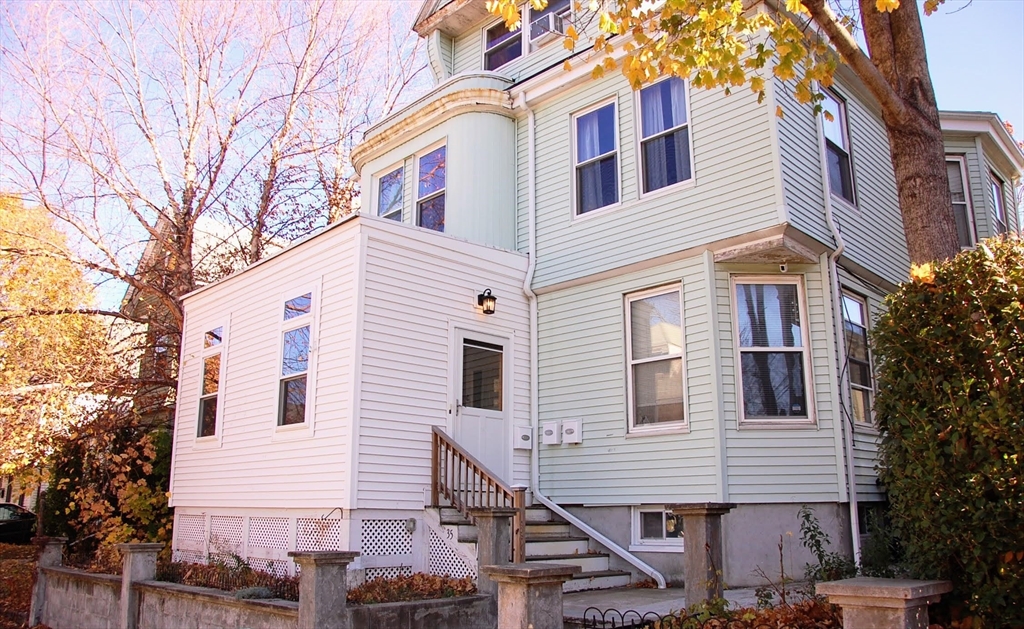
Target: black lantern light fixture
486 301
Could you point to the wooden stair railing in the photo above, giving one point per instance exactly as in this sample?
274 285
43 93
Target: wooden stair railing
466 483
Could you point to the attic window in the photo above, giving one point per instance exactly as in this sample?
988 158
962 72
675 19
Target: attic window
502 45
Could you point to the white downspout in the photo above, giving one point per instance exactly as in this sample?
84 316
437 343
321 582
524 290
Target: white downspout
534 379
837 309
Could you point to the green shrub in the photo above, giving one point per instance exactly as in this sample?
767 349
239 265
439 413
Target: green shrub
951 408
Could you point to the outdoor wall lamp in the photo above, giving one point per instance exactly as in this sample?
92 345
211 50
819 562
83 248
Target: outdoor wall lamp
486 301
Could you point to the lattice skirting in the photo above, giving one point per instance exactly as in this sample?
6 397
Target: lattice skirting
443 560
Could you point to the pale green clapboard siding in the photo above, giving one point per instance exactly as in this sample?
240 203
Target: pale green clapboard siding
977 180
801 164
1008 206
873 231
781 464
447 52
865 442
582 375
734 191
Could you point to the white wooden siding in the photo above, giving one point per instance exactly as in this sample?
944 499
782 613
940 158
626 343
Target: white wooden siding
253 465
582 369
773 464
873 231
419 285
734 191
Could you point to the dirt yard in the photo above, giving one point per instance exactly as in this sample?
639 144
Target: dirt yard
17 564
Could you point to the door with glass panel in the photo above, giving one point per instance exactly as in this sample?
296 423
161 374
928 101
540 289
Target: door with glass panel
480 404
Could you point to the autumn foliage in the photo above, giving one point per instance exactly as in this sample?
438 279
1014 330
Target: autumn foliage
414 587
951 407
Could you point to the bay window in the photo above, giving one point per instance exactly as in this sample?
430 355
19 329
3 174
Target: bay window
858 359
430 192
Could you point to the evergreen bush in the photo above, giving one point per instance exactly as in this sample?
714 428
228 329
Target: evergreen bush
951 407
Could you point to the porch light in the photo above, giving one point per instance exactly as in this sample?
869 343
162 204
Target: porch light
486 301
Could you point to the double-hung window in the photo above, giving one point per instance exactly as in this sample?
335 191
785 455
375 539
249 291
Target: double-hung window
771 339
430 191
655 350
858 358
956 171
597 164
389 195
295 352
837 147
998 209
209 395
665 134
501 45
656 529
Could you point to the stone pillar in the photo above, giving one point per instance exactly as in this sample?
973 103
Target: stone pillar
493 543
897 603
702 540
323 590
51 554
138 563
530 594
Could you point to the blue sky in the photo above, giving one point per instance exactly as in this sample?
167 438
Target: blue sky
976 57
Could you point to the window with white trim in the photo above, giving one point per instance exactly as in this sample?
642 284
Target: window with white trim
430 189
858 358
209 393
998 208
544 28
295 350
655 351
596 159
389 195
837 146
501 45
655 529
664 134
771 339
956 171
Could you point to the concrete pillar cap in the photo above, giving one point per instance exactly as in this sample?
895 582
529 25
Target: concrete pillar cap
874 587
531 572
137 547
324 558
495 512
701 508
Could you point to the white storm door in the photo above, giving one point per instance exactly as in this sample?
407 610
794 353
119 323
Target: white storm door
481 398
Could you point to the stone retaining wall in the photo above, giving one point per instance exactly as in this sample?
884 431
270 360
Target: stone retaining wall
165 605
74 599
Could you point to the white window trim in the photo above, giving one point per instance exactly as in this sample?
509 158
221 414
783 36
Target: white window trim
576 216
638 141
526 19
998 202
801 422
376 190
844 125
417 199
962 161
667 427
217 438
869 427
637 544
312 319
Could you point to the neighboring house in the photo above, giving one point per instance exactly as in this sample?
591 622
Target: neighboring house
684 281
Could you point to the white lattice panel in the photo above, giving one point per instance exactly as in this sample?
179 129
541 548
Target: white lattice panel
273 566
190 532
317 534
226 534
268 533
445 561
386 537
188 556
387 572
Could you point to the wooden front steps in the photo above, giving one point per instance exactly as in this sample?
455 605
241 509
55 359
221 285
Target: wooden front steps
550 539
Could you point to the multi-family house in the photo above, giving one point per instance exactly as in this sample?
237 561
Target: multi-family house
617 299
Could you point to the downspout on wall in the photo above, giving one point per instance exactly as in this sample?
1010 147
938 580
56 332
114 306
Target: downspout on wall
534 379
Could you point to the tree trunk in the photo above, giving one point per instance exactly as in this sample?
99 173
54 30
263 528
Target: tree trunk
896 44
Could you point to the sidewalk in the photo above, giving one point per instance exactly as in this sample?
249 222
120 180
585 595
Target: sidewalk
643 600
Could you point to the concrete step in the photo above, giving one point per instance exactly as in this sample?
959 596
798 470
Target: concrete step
589 562
540 513
548 528
556 545
598 580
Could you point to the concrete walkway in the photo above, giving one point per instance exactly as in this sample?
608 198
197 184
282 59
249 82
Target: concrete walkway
643 600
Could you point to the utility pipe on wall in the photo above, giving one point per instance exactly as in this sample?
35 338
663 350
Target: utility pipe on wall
534 397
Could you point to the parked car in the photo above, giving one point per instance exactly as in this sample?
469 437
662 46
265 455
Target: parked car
17 524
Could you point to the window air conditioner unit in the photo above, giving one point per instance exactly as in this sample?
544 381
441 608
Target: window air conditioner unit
546 28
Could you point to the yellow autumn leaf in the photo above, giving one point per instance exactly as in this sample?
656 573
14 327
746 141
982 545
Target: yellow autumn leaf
567 66
568 43
887 6
923 273
778 112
